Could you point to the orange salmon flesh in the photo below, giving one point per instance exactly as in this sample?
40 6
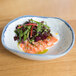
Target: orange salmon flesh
38 46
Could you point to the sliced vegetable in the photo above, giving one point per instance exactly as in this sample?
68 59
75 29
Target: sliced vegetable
20 27
34 24
32 30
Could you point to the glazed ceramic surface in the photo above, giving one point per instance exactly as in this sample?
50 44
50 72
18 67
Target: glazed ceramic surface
65 37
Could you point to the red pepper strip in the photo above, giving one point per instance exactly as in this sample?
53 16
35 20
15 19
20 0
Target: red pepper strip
31 31
34 24
20 27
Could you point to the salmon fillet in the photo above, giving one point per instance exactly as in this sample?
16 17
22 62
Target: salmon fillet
39 46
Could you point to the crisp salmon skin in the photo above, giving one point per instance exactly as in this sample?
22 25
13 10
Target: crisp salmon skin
38 46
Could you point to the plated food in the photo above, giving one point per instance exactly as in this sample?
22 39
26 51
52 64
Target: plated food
34 37
61 37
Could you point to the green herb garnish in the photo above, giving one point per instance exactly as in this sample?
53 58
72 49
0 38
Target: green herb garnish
25 31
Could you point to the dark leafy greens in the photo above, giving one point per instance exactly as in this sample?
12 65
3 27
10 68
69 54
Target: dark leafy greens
32 31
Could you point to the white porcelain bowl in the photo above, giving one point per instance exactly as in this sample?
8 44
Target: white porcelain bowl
63 46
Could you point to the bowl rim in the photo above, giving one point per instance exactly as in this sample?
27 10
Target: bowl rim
43 55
